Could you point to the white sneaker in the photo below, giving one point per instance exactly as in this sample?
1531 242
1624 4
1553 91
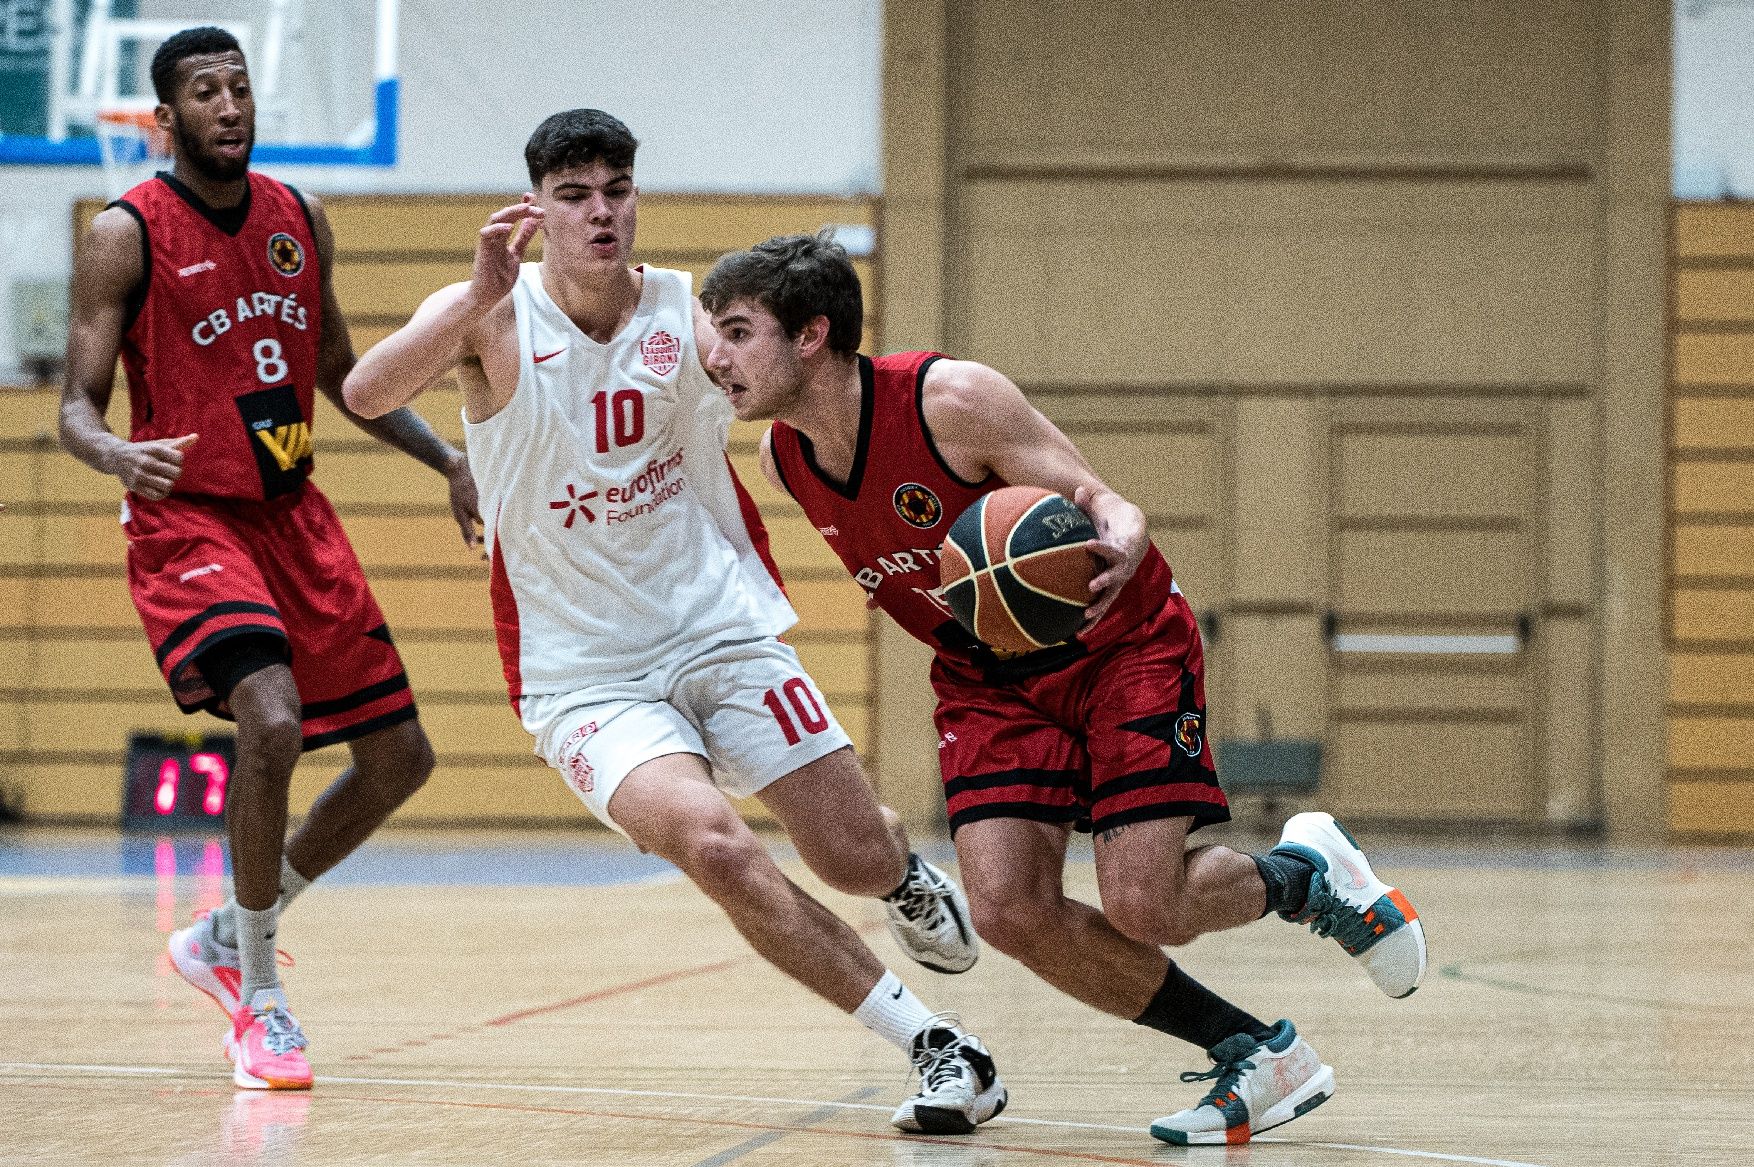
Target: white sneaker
928 916
1259 1085
207 964
1372 921
959 1084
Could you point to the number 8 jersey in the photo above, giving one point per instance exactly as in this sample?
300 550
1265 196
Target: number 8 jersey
222 335
620 536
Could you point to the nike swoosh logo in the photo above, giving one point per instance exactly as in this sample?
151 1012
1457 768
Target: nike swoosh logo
549 356
897 994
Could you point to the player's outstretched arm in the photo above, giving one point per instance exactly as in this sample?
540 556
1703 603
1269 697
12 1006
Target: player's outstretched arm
110 266
402 429
983 424
442 333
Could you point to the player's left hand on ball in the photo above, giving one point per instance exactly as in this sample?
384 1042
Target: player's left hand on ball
465 502
1120 543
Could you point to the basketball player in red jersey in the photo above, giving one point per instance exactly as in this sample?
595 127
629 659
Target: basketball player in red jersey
1106 732
213 284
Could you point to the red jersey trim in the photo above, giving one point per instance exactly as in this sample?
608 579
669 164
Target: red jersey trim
757 529
505 622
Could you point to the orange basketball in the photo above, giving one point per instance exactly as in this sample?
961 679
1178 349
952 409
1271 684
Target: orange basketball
1015 571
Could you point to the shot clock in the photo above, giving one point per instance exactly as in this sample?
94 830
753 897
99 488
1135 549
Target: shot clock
177 782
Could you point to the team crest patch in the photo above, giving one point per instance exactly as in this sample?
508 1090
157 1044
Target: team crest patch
1187 734
919 506
578 772
285 254
661 352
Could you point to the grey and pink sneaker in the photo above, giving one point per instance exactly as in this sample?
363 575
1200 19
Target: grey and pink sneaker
207 964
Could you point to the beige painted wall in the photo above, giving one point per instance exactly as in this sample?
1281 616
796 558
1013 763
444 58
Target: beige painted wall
1380 307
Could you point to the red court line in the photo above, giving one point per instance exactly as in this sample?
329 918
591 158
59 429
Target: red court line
633 986
617 990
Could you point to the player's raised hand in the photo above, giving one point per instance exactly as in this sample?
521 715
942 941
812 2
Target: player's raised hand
500 250
150 469
1120 543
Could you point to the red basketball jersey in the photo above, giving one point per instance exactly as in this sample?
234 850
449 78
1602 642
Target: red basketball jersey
223 340
888 520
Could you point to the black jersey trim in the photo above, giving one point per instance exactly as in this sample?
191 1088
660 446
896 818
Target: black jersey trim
1204 814
867 409
135 302
298 195
355 699
348 733
1031 811
926 430
230 220
193 624
1027 776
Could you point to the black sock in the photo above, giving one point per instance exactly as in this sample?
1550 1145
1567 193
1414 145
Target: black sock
1287 879
1185 1008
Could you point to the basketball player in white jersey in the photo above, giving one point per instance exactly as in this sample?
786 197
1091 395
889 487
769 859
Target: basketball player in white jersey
638 618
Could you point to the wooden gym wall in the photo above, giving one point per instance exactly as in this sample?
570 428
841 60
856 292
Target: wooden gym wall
78 674
1365 307
1711 500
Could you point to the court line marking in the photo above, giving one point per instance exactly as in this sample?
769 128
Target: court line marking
616 990
1456 972
551 1088
768 1138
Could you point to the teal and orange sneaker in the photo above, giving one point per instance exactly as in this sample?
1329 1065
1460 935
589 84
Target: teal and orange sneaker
1257 1085
1372 921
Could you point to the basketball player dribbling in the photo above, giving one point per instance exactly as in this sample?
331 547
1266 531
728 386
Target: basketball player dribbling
637 613
1105 732
213 284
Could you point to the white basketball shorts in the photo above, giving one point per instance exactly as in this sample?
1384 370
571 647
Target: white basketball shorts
747 707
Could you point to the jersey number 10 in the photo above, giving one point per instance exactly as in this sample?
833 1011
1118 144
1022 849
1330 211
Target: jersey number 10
803 704
621 417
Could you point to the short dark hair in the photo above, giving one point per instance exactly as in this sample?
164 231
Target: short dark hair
578 137
191 42
797 278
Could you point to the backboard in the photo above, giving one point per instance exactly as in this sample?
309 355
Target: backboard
326 95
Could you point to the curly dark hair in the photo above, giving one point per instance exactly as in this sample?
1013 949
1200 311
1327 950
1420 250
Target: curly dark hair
578 137
797 278
191 42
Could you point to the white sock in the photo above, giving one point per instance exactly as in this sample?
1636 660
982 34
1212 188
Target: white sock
225 928
892 1012
256 950
291 883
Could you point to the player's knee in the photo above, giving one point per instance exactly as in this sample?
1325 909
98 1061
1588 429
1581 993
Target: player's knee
414 766
1015 924
274 736
723 859
1140 915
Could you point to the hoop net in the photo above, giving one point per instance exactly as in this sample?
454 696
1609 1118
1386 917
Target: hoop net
131 145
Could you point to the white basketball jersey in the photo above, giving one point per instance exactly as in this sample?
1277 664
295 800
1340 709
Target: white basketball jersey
618 532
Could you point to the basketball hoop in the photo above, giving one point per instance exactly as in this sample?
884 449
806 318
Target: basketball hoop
131 146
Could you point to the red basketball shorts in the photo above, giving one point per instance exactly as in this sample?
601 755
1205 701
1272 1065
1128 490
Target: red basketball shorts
203 570
1116 737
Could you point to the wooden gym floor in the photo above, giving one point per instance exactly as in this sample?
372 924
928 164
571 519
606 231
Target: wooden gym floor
556 998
